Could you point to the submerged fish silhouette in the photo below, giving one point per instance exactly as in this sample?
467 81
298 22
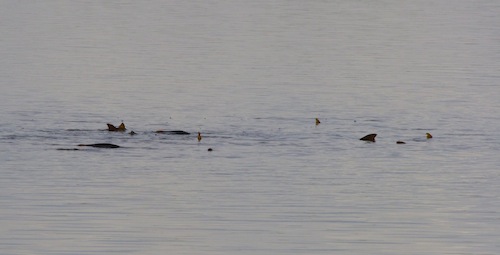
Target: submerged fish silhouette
369 138
173 132
101 145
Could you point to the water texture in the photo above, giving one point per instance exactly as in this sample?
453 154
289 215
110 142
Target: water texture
251 76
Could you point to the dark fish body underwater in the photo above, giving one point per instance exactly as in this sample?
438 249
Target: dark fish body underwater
101 145
173 132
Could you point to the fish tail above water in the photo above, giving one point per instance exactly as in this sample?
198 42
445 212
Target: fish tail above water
111 127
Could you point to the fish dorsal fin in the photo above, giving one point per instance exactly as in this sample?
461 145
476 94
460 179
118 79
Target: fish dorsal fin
429 136
317 121
369 138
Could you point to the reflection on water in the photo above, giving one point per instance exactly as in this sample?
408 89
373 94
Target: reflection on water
252 78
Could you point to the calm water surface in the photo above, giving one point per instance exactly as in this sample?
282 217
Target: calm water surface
251 76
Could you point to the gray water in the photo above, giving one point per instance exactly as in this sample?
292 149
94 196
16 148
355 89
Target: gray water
251 76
